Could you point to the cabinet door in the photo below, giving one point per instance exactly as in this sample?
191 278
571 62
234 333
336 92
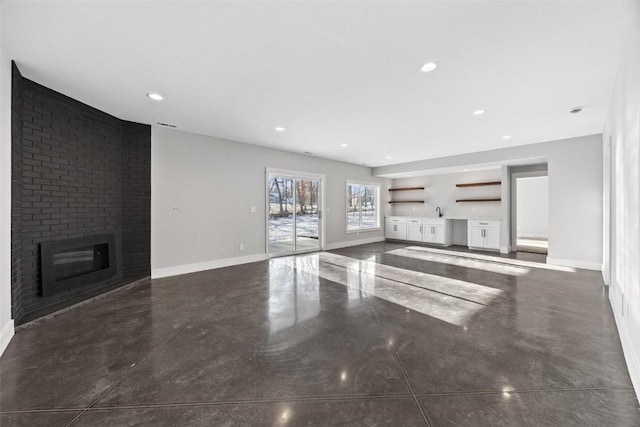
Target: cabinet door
394 230
427 233
476 237
389 228
401 232
414 232
438 234
492 238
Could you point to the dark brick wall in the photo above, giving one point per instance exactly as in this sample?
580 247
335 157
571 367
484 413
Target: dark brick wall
81 172
136 197
16 192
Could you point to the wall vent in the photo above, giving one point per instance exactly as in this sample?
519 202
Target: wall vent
168 125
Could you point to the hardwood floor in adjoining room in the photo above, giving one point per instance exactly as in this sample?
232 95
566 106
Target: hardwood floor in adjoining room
379 334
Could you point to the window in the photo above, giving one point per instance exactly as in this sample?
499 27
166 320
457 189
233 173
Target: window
363 206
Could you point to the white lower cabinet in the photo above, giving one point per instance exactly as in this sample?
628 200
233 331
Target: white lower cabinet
438 231
395 228
428 230
483 234
414 229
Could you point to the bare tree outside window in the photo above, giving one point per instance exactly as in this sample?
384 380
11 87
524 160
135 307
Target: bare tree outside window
362 207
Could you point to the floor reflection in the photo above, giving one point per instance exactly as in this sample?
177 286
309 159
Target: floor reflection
491 258
450 300
294 292
426 255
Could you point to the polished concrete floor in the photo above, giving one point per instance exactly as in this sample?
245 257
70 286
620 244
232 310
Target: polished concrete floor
380 334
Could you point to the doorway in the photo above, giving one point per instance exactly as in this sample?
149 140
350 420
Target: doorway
532 214
294 212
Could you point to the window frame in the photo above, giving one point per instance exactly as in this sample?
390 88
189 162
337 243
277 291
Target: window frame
360 185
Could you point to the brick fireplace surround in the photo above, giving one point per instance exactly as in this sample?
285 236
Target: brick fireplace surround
76 172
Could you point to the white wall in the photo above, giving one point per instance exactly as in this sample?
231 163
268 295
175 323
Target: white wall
533 207
6 324
202 189
575 192
622 207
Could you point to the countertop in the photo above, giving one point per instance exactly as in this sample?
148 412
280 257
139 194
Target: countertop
445 217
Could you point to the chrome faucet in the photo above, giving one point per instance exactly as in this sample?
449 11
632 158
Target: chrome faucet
439 211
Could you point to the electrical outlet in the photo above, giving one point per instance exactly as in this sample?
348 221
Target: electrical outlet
241 247
253 209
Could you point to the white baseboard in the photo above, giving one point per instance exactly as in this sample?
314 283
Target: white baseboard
587 265
332 246
157 273
630 355
532 236
6 333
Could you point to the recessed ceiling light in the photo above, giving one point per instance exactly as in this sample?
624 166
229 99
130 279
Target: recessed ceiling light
428 67
279 129
155 96
506 137
344 145
478 112
575 110
388 157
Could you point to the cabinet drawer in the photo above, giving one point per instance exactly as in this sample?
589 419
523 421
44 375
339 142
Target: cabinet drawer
483 224
433 221
414 221
396 220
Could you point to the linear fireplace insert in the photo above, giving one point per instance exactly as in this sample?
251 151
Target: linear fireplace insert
71 263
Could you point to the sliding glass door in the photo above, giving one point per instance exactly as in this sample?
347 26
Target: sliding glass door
294 213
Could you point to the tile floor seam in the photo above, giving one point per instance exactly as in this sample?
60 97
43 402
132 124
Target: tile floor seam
251 401
127 374
523 391
423 413
215 403
36 411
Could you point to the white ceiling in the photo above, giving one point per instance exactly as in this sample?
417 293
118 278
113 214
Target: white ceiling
334 72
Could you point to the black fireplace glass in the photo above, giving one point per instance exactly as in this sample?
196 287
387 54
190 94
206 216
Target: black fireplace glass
71 263
78 261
